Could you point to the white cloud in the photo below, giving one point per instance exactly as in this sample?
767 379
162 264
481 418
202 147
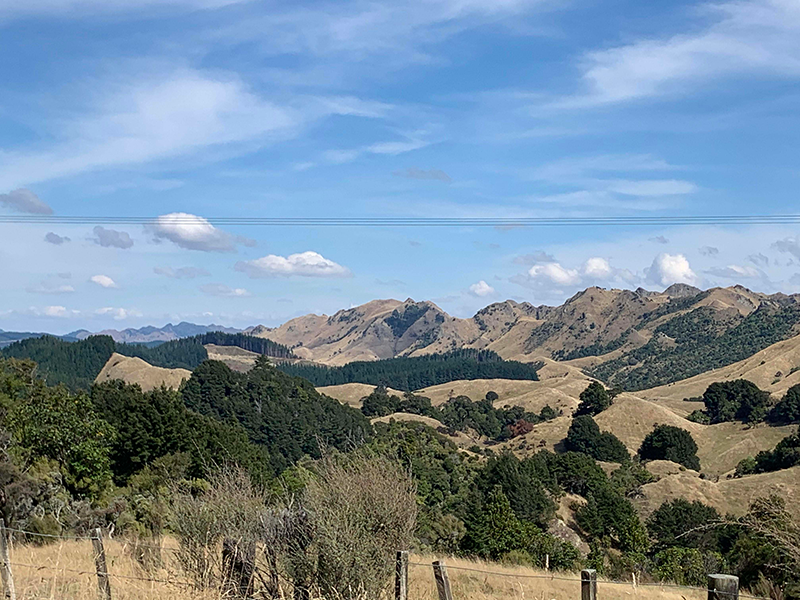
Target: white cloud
481 289
111 238
193 233
181 272
218 289
597 268
671 268
118 314
103 281
157 118
555 273
304 264
25 201
757 37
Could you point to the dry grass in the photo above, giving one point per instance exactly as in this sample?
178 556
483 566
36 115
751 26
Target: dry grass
522 583
58 579
136 370
66 571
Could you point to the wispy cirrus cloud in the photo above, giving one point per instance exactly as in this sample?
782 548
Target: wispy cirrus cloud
745 37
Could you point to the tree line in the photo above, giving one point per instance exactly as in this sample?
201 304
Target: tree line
76 364
414 373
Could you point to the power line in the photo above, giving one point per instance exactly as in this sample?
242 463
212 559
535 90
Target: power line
510 223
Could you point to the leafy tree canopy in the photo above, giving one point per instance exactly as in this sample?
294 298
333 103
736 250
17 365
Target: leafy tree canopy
666 442
584 435
594 399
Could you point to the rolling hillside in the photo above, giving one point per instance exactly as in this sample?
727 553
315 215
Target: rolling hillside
137 371
636 339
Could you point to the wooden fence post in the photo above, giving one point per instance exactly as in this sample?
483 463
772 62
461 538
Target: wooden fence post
5 568
401 576
723 587
100 564
588 584
442 580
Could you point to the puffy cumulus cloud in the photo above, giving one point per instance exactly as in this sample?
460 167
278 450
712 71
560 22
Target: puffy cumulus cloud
54 238
220 290
55 312
25 201
430 174
671 268
304 264
194 233
551 273
181 272
709 251
111 238
481 289
597 268
736 272
103 281
118 314
555 273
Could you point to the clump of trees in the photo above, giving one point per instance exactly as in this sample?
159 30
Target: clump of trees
784 456
666 442
787 411
594 400
738 400
459 413
584 436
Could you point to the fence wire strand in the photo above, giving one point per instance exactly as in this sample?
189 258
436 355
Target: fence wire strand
599 582
135 544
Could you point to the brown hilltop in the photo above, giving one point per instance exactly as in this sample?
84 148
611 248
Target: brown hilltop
595 322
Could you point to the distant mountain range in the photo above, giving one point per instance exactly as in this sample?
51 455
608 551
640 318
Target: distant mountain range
9 337
632 338
143 335
154 334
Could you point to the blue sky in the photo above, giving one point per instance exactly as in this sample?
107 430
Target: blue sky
437 108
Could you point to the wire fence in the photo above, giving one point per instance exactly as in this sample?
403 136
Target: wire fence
11 537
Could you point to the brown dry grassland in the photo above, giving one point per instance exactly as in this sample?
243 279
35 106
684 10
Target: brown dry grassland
65 571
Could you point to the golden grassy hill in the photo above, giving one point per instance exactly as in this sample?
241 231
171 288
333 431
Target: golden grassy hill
238 359
720 447
770 369
137 371
559 386
727 495
352 393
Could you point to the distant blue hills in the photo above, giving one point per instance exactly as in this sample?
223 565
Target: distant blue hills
145 335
